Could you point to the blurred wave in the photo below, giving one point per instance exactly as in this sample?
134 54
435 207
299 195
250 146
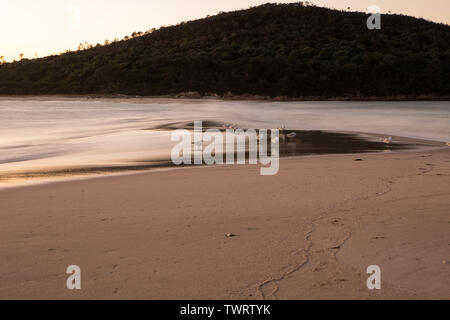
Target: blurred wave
37 134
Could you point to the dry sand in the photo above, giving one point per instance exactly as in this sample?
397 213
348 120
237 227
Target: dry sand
309 232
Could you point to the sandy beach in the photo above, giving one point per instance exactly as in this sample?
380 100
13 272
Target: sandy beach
308 232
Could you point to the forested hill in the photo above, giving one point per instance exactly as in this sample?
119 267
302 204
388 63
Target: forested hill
271 50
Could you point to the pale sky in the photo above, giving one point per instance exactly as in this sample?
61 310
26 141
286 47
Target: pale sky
48 26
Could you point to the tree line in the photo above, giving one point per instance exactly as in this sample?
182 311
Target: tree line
288 50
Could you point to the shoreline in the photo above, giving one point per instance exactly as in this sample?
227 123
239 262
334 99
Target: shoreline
93 173
309 232
195 97
24 178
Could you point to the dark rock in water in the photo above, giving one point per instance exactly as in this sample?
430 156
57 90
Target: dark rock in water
358 159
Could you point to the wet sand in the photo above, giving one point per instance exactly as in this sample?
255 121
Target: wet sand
305 142
307 233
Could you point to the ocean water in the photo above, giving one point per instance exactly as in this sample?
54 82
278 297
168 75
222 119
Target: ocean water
37 135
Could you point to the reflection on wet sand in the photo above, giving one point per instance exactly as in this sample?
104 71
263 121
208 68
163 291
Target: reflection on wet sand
291 143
